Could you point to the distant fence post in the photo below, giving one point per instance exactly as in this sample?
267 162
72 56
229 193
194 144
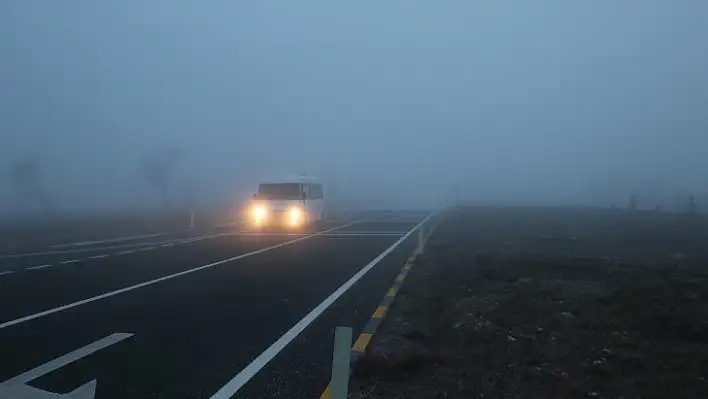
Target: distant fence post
341 362
421 238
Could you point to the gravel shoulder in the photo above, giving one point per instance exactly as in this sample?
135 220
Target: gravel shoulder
548 303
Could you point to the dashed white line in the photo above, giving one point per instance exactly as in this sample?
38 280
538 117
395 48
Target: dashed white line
118 239
167 245
106 248
99 256
69 261
38 267
125 252
6 272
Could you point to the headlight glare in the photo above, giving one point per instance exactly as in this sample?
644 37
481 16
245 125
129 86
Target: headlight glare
259 212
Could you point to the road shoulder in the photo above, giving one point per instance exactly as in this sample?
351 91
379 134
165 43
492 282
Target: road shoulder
507 313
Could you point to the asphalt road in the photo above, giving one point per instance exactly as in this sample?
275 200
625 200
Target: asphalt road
184 315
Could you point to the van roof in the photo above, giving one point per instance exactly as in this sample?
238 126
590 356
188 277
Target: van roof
293 179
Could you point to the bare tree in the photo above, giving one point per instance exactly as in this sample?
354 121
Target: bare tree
26 180
692 205
633 202
158 169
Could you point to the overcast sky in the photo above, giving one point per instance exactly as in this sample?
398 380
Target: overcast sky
514 99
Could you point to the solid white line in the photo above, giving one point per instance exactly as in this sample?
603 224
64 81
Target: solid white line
164 278
258 363
373 232
267 233
99 256
6 272
63 360
69 261
386 235
342 234
37 267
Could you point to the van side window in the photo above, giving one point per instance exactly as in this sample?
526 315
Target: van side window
316 191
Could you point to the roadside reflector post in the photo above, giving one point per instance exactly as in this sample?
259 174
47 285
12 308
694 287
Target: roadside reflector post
421 239
341 362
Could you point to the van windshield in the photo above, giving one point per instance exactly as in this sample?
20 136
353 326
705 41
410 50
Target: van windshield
280 191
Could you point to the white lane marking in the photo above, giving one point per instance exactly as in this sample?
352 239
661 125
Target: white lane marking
342 234
99 256
124 252
266 233
6 272
70 261
258 363
364 235
355 233
164 278
38 267
118 239
17 386
104 249
167 245
373 232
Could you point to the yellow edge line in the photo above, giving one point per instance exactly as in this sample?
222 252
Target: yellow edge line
326 394
362 342
380 312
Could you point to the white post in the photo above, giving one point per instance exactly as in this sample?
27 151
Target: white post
341 363
421 239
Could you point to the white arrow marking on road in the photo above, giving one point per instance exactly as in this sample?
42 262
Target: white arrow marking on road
17 387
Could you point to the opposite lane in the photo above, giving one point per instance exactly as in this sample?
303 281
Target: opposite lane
22 295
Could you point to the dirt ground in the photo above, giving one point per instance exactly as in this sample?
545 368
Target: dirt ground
548 303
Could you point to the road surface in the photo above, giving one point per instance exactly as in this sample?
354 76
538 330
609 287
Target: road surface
193 314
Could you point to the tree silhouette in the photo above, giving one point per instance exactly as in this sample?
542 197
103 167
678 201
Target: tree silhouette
158 169
26 180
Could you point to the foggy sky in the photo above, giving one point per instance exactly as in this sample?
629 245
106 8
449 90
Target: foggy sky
541 100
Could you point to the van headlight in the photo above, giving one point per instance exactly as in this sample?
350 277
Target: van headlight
259 212
295 215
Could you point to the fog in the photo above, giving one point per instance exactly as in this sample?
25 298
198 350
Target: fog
393 102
